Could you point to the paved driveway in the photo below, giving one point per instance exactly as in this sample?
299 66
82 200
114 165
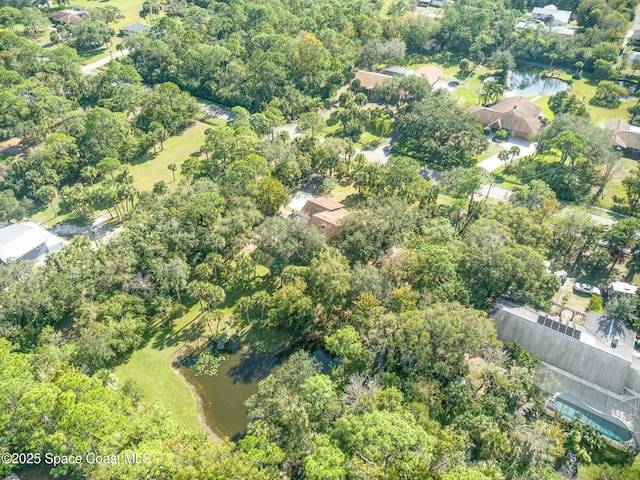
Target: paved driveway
526 148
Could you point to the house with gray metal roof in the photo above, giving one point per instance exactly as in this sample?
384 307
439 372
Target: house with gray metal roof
27 241
589 371
135 28
560 17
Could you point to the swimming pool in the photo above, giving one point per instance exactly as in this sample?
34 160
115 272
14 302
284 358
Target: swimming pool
612 430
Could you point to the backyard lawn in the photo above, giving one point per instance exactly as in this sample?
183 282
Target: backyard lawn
146 171
492 149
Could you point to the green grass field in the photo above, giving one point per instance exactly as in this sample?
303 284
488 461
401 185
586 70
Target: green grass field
129 8
146 171
150 369
491 150
153 167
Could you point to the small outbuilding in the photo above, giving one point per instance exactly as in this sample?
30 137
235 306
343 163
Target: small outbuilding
135 28
621 288
432 46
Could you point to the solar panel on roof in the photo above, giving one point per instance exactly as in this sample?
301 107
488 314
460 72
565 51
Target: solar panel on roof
559 327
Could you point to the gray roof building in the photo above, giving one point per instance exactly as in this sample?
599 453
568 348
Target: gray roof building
135 28
560 17
396 71
27 241
590 369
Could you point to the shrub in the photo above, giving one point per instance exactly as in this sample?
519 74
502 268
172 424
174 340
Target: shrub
595 304
501 136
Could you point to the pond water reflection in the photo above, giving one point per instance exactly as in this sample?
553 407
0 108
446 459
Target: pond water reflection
224 394
525 84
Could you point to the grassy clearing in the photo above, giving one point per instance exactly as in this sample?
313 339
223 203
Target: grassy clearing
444 199
585 89
614 187
130 9
341 192
99 54
542 102
146 171
150 369
153 167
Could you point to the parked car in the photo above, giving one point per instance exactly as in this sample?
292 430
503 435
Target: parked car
586 289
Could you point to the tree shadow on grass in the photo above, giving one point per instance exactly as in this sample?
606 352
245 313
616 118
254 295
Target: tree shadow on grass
168 336
146 157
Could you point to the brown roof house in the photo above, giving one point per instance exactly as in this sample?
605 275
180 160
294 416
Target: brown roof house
517 115
431 73
324 214
68 16
626 137
368 80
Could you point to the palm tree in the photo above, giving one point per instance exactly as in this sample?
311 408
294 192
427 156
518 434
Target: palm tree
261 300
49 194
173 167
491 91
579 66
504 156
553 57
383 123
89 173
514 151
245 304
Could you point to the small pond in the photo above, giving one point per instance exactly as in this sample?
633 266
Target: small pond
224 394
526 83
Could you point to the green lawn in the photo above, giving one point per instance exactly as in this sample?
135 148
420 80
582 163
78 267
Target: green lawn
150 369
129 8
95 55
585 89
491 150
153 167
146 171
542 102
615 187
